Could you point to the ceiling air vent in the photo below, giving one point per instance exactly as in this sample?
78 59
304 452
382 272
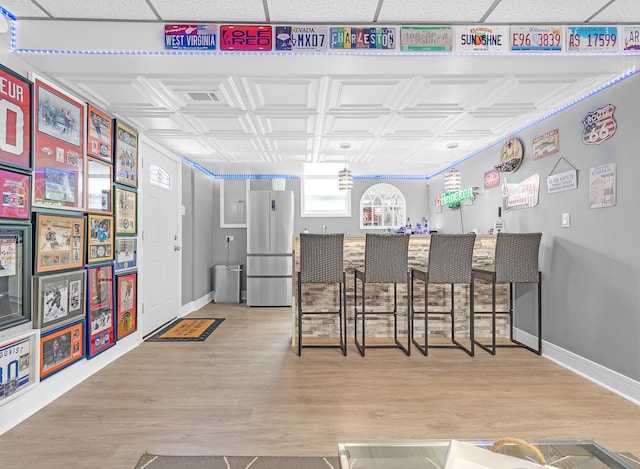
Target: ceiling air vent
204 96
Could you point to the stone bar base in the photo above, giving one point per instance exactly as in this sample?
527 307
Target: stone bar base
379 297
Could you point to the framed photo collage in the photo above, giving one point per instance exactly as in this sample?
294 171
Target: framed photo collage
68 229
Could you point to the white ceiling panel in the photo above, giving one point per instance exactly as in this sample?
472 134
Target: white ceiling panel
432 11
99 9
353 124
372 94
211 11
23 8
545 11
325 11
282 93
226 124
629 9
287 124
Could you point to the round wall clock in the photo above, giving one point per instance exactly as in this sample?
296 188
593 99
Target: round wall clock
511 156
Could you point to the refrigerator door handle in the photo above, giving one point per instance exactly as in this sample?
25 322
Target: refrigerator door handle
273 205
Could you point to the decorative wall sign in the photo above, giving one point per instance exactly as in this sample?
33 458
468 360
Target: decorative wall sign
426 38
243 37
631 37
565 181
511 156
536 38
599 125
546 144
301 37
18 365
522 194
58 148
592 39
491 179
485 38
15 114
190 36
351 37
602 186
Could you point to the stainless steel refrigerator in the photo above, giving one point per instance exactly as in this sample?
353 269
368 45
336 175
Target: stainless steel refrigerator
269 248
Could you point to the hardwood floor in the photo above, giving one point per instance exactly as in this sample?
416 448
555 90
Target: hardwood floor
245 392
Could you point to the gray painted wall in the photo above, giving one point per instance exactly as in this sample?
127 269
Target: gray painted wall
590 270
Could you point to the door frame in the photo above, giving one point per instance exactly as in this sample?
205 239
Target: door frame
144 164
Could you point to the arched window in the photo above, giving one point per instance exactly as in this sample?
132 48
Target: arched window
382 206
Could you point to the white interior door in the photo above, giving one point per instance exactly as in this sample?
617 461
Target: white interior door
161 237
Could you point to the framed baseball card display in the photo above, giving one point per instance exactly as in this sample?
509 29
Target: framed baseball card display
59 143
126 255
126 155
60 348
99 185
126 304
99 135
15 275
16 195
125 209
58 299
18 365
100 238
15 114
100 323
59 242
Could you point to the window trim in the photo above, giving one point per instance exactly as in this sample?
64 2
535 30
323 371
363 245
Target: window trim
376 188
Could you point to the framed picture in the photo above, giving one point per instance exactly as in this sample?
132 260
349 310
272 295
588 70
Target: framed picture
58 140
15 114
99 186
126 155
18 365
126 255
58 299
100 324
99 135
125 209
126 306
16 195
99 238
15 275
60 348
59 242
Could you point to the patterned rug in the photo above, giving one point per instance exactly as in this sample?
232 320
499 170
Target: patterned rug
187 330
154 461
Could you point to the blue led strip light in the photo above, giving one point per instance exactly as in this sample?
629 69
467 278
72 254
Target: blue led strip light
537 121
237 175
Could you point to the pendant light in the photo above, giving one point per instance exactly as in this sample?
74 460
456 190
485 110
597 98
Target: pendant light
345 178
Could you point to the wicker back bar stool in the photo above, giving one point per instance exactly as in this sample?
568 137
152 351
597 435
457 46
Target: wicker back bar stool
321 262
450 259
386 261
516 261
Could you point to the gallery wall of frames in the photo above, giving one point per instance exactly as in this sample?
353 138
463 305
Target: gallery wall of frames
68 231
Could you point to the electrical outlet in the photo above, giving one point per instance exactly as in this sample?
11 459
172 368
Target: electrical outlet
229 239
566 220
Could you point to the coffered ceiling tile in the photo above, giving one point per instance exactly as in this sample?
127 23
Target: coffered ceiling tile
545 11
225 125
325 11
430 11
99 9
286 124
365 94
353 124
266 94
219 11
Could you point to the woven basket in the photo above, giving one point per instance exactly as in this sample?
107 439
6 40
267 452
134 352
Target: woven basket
516 441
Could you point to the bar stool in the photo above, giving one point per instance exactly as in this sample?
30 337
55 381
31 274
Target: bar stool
516 261
386 259
321 262
450 259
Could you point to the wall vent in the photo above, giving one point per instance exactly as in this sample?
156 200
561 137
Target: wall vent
204 96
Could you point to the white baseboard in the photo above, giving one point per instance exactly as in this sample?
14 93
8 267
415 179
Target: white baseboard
47 391
195 305
615 382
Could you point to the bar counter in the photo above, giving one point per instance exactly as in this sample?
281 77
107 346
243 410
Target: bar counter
319 297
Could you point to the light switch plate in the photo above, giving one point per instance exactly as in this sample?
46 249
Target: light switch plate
566 220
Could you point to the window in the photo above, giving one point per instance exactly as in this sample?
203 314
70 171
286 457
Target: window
159 177
382 206
322 198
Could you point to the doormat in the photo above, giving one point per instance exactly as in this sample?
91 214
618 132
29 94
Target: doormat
153 461
187 330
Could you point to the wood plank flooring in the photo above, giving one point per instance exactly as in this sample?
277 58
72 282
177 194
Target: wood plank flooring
244 391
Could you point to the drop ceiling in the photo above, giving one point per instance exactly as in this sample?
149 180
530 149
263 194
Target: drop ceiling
289 114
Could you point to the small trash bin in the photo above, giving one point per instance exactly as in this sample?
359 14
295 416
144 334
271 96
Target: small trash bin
226 281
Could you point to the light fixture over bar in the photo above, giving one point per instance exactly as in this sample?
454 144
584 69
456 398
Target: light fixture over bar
345 178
